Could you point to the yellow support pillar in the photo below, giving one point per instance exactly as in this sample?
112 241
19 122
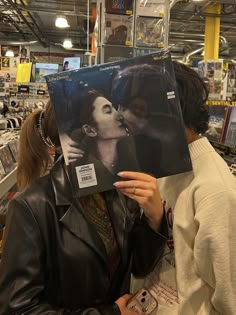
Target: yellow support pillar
212 32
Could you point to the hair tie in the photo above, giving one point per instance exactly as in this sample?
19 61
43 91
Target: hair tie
46 140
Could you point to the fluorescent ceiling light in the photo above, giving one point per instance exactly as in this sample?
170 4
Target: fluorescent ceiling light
61 22
67 43
9 53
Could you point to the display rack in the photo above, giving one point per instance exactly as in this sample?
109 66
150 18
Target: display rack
128 28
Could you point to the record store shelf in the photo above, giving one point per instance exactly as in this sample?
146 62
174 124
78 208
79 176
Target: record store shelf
7 182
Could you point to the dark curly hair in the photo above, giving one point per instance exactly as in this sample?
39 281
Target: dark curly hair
193 94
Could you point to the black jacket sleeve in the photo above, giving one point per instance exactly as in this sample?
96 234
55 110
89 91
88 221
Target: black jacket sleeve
22 270
148 246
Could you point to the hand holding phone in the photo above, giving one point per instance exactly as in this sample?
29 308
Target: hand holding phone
142 302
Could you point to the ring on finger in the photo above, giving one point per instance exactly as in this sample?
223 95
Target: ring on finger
134 190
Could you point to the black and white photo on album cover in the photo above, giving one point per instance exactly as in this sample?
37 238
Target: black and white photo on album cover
119 116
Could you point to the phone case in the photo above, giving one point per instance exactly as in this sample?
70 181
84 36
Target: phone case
142 302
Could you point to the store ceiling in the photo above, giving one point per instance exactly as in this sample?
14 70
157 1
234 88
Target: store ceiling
33 20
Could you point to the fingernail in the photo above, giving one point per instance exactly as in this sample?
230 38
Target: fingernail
115 184
120 173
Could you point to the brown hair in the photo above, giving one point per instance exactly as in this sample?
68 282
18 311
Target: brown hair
33 154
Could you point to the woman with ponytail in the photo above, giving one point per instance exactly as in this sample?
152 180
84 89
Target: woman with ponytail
67 255
38 135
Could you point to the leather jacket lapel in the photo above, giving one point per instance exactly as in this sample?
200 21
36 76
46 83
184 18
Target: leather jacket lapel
75 221
61 184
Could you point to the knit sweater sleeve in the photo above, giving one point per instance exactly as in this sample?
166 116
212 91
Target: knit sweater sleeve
215 250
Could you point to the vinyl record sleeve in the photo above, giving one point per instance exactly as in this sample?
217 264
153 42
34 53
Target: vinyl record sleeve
149 32
119 6
155 8
124 116
118 29
2 171
6 158
13 145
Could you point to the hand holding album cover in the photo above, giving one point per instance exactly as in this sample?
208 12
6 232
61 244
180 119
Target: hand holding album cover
121 116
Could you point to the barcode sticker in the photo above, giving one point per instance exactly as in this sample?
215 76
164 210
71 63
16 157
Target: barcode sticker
86 175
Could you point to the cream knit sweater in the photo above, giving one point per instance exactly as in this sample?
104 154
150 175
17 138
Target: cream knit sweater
198 271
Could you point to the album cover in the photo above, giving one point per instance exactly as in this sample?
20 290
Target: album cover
154 8
230 138
13 145
119 6
122 116
2 171
231 82
217 120
118 29
149 32
6 158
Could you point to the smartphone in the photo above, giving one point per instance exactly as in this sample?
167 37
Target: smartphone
142 302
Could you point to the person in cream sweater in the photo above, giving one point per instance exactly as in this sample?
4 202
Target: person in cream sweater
197 273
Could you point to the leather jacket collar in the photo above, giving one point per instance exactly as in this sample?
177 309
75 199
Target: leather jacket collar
61 184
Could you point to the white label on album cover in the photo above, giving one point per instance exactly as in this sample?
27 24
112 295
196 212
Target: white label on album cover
86 175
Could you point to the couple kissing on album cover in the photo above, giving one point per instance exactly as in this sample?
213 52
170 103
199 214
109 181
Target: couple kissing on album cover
121 117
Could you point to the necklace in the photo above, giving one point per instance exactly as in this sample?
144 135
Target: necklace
110 166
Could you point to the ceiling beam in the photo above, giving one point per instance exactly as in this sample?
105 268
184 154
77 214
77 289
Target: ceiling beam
55 11
15 7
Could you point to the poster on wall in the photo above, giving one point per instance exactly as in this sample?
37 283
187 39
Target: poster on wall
123 115
5 63
71 63
14 62
23 73
42 69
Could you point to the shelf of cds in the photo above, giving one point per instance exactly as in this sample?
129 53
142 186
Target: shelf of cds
220 77
128 28
8 160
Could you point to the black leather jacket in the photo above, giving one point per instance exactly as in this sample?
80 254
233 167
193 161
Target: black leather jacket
53 259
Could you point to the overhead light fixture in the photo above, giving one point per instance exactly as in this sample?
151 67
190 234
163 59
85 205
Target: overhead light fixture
9 53
61 22
67 43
